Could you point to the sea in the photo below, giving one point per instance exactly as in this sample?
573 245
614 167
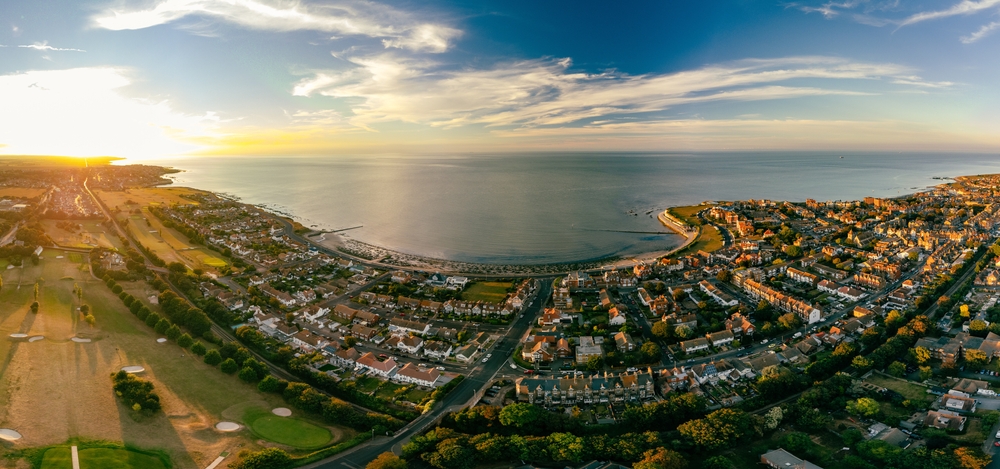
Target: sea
540 208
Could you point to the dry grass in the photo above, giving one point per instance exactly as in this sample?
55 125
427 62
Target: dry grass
92 234
55 389
147 196
21 192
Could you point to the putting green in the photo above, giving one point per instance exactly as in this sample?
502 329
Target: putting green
287 430
100 458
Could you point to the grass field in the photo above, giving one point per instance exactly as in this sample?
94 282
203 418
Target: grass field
144 197
289 431
92 234
21 192
689 213
911 391
170 245
55 389
100 458
490 292
416 395
367 384
387 390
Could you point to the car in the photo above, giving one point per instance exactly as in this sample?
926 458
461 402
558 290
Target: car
486 359
996 443
631 369
529 372
383 356
440 368
764 341
489 355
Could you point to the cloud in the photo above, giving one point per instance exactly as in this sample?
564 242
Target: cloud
395 28
44 46
984 31
547 92
965 7
85 112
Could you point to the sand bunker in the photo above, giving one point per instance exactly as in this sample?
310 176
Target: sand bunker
18 336
282 412
227 426
80 340
132 369
9 435
36 338
161 340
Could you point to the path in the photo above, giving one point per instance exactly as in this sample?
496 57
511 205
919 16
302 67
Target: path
76 457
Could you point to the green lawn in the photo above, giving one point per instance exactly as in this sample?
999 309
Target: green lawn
387 390
911 391
416 396
689 213
367 384
491 292
286 430
100 458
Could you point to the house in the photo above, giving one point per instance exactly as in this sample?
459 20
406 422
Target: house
344 313
536 348
850 294
410 344
345 358
781 459
739 325
802 276
466 354
957 402
384 369
308 341
366 318
615 317
945 420
624 342
578 389
587 348
694 345
400 276
437 349
553 316
399 326
719 296
718 339
363 332
420 376
457 283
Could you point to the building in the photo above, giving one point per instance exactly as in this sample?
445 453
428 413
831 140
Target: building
596 389
781 459
399 326
586 349
945 420
802 276
384 369
718 339
420 376
719 296
624 342
782 301
694 345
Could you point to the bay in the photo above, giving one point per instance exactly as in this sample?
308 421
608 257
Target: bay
547 207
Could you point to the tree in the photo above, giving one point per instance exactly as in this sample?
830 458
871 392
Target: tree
851 437
793 251
976 358
684 332
920 355
36 291
185 340
978 328
198 349
773 417
520 415
963 311
650 352
718 429
864 406
152 319
34 307
897 369
212 357
595 363
661 458
90 319
925 373
387 460
971 458
161 326
177 267
724 275
272 384
717 462
229 366
173 332
270 458
862 363
789 321
661 330
247 374
85 310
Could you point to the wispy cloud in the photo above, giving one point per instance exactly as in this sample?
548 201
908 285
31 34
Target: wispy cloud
965 7
44 46
395 28
984 31
547 92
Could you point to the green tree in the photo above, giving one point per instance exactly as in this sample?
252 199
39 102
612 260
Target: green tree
161 326
34 307
925 373
865 407
789 321
152 319
717 462
979 328
212 357
862 363
198 349
793 251
851 437
272 384
185 340
520 415
595 363
897 369
247 374
269 458
387 460
684 332
976 358
90 319
229 366
718 429
650 352
724 275
173 332
85 309
661 330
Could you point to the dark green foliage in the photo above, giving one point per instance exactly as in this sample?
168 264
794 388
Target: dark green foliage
198 349
229 366
213 358
270 458
134 391
185 340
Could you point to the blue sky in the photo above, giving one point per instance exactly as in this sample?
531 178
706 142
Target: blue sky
164 77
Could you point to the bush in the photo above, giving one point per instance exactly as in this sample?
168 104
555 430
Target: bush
229 366
152 319
197 348
213 358
173 332
185 340
211 338
137 393
247 374
270 458
135 307
272 384
143 313
117 289
161 326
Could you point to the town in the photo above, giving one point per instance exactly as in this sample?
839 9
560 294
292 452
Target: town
814 334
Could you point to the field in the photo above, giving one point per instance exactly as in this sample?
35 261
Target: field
490 292
911 391
289 431
170 245
689 213
708 240
21 192
100 458
146 196
55 389
92 234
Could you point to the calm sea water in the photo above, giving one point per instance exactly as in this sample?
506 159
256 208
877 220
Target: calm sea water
541 208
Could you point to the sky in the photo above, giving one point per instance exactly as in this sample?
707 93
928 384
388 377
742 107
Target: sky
161 78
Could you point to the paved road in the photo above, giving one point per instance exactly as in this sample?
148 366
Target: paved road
467 393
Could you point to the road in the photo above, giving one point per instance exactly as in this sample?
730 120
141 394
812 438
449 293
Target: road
468 392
